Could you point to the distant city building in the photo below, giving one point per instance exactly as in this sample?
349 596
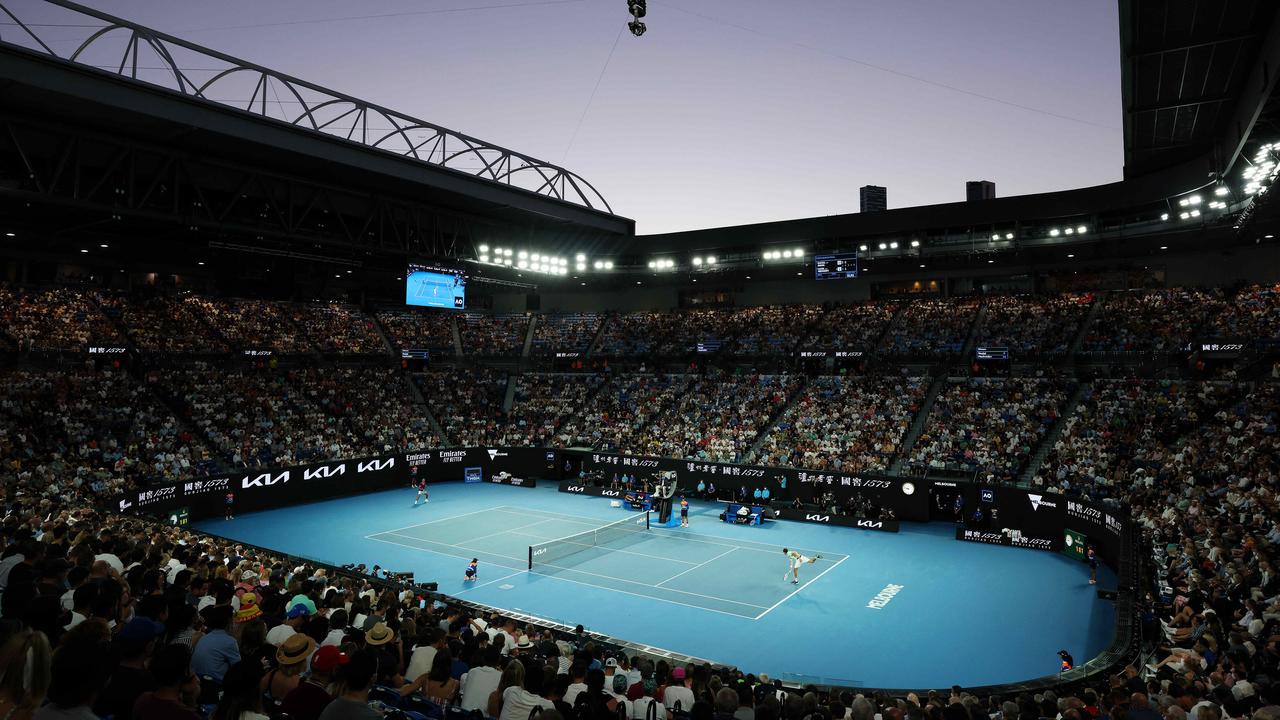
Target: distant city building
872 198
979 190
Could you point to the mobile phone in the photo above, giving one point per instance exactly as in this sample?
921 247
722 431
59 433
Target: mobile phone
422 604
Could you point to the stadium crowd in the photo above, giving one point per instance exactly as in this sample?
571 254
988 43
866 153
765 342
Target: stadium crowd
108 616
1033 326
423 330
989 426
565 332
930 327
1151 320
716 417
493 335
845 424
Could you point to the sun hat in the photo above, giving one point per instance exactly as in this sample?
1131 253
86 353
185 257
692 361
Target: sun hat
379 634
249 609
296 649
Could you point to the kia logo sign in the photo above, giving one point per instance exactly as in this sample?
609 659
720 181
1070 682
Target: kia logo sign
375 465
324 471
874 524
818 518
610 493
264 480
575 489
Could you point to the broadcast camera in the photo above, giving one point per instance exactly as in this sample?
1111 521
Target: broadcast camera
637 10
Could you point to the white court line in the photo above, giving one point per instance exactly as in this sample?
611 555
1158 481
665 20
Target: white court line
612 550
681 537
511 531
793 592
470 550
438 552
580 582
649 597
432 522
637 582
473 587
695 567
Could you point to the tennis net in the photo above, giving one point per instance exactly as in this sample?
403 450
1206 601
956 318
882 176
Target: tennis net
615 533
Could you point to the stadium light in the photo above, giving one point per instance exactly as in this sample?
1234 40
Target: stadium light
522 264
799 252
1221 190
711 259
523 254
608 264
8 234
506 251
697 261
995 236
1008 236
1069 231
915 243
1195 200
1164 216
1183 215
862 248
1054 232
1082 229
882 246
1195 213
1164 247
786 253
1071 255
580 257
484 248
893 245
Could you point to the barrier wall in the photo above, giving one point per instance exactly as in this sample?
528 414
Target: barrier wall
263 489
902 495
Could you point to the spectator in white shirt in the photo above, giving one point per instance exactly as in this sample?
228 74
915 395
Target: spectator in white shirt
578 672
678 695
298 615
429 641
479 682
518 702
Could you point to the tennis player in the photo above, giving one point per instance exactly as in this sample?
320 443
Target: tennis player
472 568
796 560
423 495
1093 566
684 512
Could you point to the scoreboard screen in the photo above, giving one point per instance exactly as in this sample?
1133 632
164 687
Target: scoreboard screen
991 353
435 287
835 267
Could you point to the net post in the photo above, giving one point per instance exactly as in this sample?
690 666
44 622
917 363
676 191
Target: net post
646 519
530 558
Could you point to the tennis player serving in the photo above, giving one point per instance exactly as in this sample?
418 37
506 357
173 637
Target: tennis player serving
796 560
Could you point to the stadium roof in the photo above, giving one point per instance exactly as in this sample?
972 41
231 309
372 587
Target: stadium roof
1194 75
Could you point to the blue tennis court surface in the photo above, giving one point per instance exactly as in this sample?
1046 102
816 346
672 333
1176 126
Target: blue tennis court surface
732 576
945 611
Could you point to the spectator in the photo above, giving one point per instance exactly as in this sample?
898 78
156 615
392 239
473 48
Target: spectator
176 688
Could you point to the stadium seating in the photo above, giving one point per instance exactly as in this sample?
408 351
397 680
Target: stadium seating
1193 456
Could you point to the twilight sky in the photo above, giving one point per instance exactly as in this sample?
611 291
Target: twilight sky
727 111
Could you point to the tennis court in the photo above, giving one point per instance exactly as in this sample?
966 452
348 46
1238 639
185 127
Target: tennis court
737 577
